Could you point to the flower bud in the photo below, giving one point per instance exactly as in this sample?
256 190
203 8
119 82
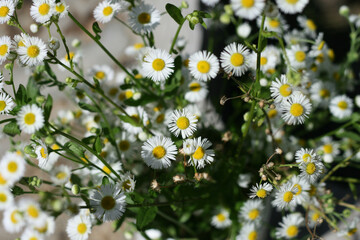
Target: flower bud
49 140
136 96
143 136
40 100
225 18
12 56
76 43
246 116
194 20
184 5
57 205
8 66
29 149
54 44
75 189
34 28
228 9
263 82
344 11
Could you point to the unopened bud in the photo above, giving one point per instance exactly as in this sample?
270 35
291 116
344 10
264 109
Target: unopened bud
225 18
261 170
278 151
184 5
261 104
246 116
34 28
57 205
246 99
12 56
223 100
270 164
194 20
8 66
49 140
54 44
40 99
263 177
75 189
228 9
272 106
69 80
76 43
344 11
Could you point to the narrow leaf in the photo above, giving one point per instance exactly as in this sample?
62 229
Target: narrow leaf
175 13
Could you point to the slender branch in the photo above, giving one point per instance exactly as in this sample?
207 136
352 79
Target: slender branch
175 37
183 226
339 165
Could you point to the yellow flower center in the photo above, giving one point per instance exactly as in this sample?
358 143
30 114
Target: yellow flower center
199 153
306 157
3 49
81 228
4 10
274 23
252 235
312 190
272 113
159 152
310 168
124 145
108 202
315 216
71 54
296 109
342 105
55 147
261 193
352 231
103 154
328 148
107 11
135 117
160 118
194 87
203 66
44 9
285 90
100 75
2 105
42 153
331 54
263 61
292 231
321 45
33 238
21 43
299 189
253 214
247 3
138 46
220 217
324 93
144 18
29 119
42 229
33 51
183 123
300 56
14 216
12 166
33 211
3 197
129 94
311 25
2 180
288 196
320 58
158 64
61 175
237 59
126 185
60 8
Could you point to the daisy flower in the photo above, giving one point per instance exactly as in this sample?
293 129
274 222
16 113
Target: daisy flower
32 51
127 144
60 175
351 229
305 155
109 202
291 6
105 11
285 196
235 59
42 10
251 210
244 180
182 121
158 65
158 151
127 182
203 65
188 146
320 93
268 60
45 225
6 199
144 18
221 220
296 109
134 49
248 232
5 46
12 167
102 73
248 9
289 227
314 218
280 89
73 56
260 190
297 56
7 8
197 91
61 9
30 118
30 234
308 26
139 115
341 106
42 154
202 154
31 209
330 149
79 227
311 171
301 186
275 24
6 103
13 220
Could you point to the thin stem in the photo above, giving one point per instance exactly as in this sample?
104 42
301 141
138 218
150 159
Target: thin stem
183 226
175 37
339 165
348 205
12 77
63 39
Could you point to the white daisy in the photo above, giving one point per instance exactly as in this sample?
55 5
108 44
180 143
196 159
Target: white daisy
144 18
32 52
202 154
79 227
30 118
42 10
268 60
31 209
248 232
197 91
280 89
30 234
321 93
221 220
134 49
308 25
330 149
248 9
126 143
305 155
109 202
12 167
296 109
158 151
45 225
275 24
285 196
350 229
297 56
7 8
139 115
102 73
158 65
73 56
5 46
251 211
13 220
42 154
203 65
301 186
311 171
182 121
341 106
289 227
6 103
188 146
6 198
127 182
244 180
235 59
105 11
61 9
60 175
260 190
291 6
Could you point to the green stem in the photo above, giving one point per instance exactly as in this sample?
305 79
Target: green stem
339 165
175 37
288 165
183 226
63 39
348 205
344 179
12 77
7 120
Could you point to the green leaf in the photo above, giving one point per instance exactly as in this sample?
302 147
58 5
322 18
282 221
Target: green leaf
145 216
97 145
145 99
96 30
203 24
20 96
49 71
117 223
48 107
11 129
263 44
75 148
130 120
88 107
89 139
353 189
267 34
175 13
32 89
351 135
191 25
